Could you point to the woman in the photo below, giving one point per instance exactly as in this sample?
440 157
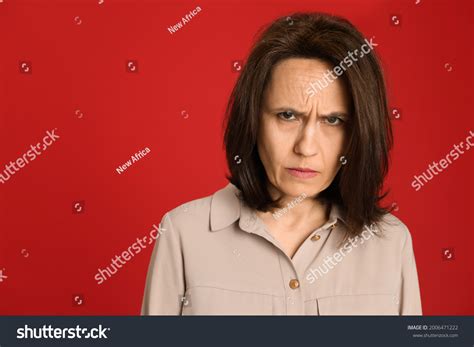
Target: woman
298 230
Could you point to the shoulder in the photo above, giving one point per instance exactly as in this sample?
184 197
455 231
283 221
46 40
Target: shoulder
212 212
393 230
191 214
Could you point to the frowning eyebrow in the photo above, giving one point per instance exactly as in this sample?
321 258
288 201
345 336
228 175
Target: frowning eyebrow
301 113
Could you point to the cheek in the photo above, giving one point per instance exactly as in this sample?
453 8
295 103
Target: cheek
273 147
265 144
270 141
332 149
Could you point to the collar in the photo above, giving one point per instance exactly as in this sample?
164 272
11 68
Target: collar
227 208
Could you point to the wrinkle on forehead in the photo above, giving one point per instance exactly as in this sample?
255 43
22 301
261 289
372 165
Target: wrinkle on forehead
291 79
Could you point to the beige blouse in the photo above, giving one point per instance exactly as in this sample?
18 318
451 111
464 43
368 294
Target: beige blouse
214 256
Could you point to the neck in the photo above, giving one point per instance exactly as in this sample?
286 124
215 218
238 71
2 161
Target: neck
298 211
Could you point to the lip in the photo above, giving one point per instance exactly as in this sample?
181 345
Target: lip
302 172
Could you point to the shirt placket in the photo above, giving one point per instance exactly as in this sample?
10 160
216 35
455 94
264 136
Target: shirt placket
292 271
293 293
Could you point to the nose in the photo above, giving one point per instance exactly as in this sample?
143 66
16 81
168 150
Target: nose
307 141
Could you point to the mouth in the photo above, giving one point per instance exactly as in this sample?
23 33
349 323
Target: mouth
302 172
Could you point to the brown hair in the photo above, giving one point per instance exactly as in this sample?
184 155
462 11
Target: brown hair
357 186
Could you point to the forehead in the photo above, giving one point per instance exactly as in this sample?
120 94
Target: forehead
291 78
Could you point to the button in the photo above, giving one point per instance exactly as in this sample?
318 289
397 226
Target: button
294 284
315 237
332 226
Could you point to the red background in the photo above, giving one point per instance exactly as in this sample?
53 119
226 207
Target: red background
50 254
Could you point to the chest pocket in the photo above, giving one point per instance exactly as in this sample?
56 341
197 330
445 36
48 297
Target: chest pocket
204 300
354 305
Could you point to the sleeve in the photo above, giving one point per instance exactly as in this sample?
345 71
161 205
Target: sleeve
164 286
410 299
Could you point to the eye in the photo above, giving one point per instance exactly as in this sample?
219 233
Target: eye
333 120
286 115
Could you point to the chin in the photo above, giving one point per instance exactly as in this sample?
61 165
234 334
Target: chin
291 189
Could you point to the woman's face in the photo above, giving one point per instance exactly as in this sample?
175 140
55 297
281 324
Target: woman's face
302 131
